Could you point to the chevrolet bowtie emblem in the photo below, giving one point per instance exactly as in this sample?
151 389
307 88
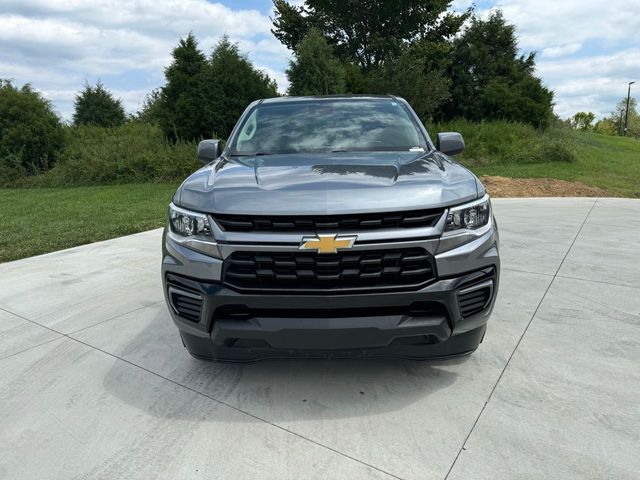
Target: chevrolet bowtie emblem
327 243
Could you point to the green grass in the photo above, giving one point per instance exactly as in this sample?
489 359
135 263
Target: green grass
610 163
512 150
40 220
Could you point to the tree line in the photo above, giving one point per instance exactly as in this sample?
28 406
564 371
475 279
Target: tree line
614 124
448 65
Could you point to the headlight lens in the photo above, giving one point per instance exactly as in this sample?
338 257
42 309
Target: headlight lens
187 223
192 230
470 216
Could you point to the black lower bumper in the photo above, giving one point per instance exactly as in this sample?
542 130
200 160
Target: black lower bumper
456 345
428 323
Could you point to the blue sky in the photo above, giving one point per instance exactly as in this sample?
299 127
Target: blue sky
586 51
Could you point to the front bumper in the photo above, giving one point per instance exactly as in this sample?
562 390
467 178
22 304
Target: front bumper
424 323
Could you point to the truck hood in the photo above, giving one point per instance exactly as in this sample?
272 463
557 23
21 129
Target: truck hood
321 184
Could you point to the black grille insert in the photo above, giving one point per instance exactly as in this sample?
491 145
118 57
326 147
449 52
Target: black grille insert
475 299
305 271
416 309
334 223
186 303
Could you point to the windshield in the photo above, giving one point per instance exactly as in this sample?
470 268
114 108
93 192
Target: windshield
341 125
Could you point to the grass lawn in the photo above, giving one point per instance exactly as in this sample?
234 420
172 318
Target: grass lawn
40 220
611 163
35 221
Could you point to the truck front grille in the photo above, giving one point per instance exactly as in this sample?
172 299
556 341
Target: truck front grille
307 271
334 223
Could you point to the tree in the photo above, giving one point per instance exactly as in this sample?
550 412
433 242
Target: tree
489 79
583 120
151 110
31 134
183 106
367 33
97 106
418 75
605 127
232 83
618 117
314 70
204 96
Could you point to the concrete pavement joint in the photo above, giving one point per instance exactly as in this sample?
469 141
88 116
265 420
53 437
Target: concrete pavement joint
506 365
525 271
115 317
31 347
239 410
256 417
569 277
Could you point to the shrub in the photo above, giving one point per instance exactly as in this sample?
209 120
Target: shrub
131 153
502 142
31 135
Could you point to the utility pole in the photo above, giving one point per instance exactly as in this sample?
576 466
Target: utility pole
626 116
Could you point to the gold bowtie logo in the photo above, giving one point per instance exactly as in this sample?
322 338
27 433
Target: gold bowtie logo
327 243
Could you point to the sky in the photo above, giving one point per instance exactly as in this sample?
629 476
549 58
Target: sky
587 51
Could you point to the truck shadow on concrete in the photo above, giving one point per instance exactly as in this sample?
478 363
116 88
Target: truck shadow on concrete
274 390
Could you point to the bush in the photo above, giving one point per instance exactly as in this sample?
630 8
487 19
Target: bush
31 135
131 153
502 142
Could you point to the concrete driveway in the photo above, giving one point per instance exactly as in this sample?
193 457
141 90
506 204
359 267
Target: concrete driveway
94 382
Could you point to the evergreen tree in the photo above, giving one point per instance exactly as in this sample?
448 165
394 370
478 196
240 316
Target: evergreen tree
183 100
314 70
97 106
151 110
490 81
231 83
418 75
204 97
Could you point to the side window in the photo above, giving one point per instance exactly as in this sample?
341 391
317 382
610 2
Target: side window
248 131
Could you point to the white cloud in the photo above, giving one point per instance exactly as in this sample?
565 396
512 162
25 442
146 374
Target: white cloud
58 44
590 84
552 23
572 37
561 50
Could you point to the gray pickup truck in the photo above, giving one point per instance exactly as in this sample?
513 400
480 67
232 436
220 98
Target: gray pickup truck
330 227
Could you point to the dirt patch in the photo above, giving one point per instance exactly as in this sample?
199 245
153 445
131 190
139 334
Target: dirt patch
539 187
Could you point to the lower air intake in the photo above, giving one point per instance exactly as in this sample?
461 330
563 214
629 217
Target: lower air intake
475 299
185 303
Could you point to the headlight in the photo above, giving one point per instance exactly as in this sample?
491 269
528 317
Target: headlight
470 216
192 230
187 223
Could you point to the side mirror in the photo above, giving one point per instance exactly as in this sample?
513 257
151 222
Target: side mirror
209 150
450 143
